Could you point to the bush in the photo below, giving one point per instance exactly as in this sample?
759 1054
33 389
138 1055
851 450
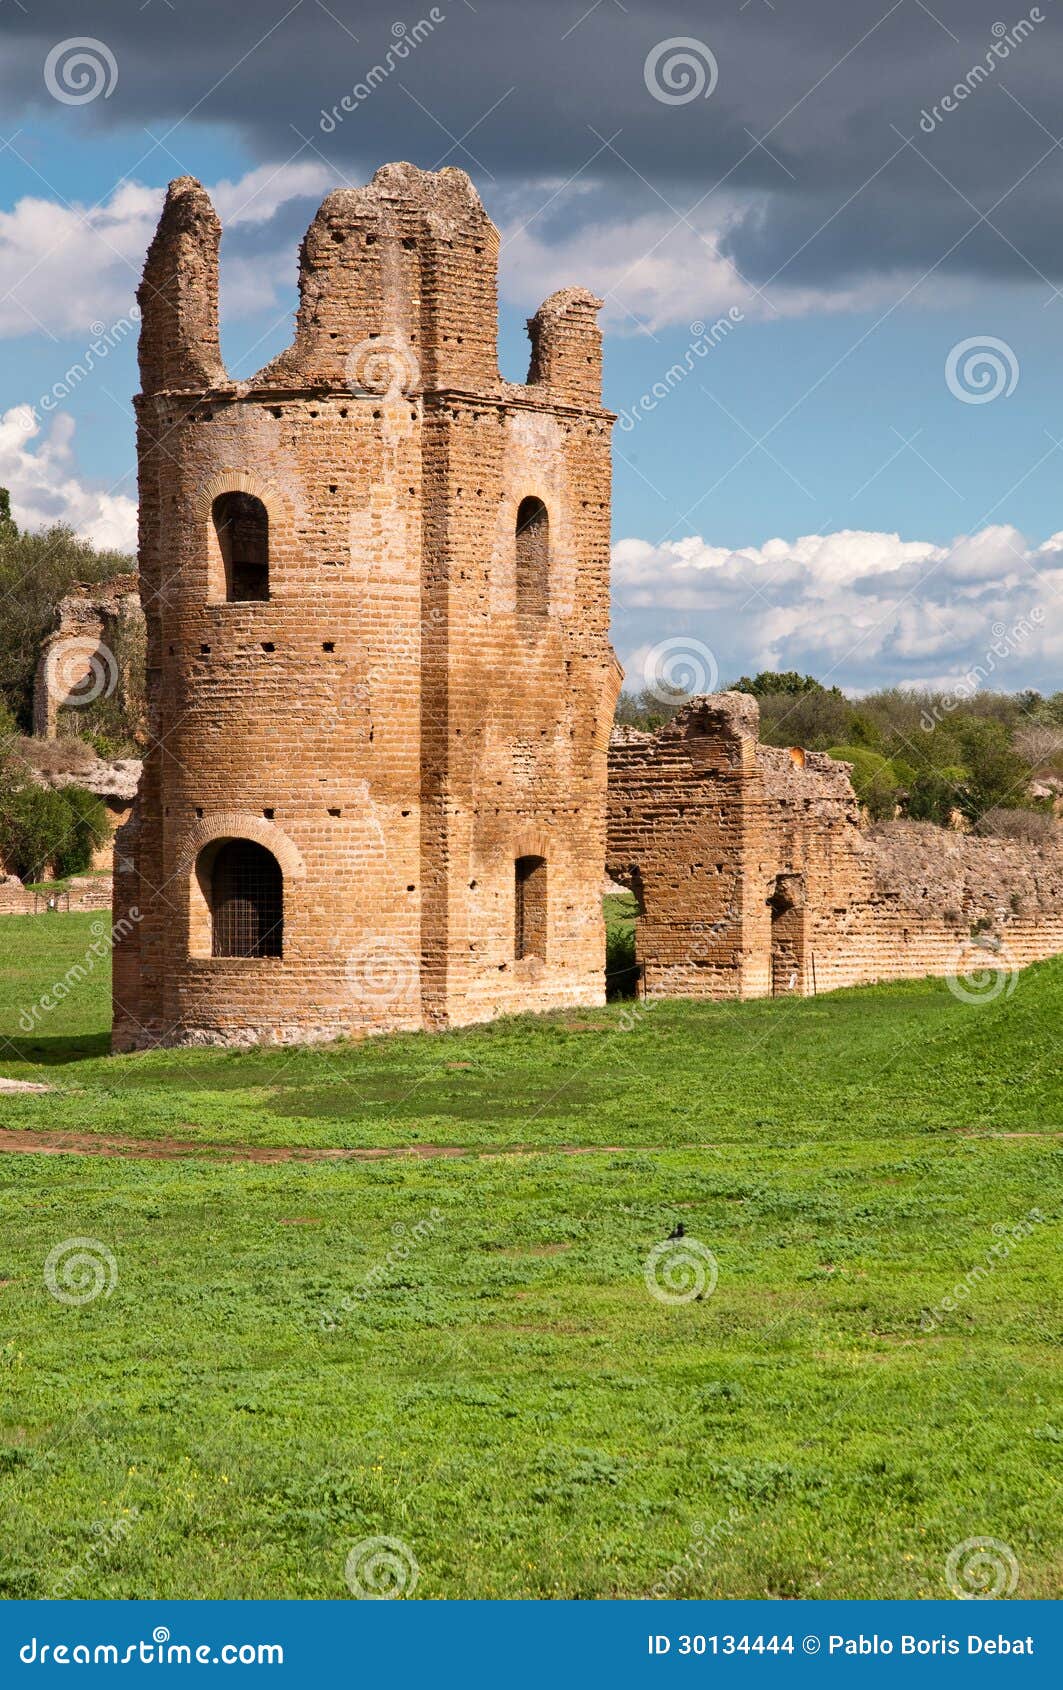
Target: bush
36 820
87 829
997 777
815 719
877 782
1033 827
42 830
1041 744
621 969
932 796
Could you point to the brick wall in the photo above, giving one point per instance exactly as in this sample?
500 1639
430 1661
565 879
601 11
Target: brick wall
88 894
388 724
754 876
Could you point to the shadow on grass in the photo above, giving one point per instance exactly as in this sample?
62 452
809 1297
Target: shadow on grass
53 1053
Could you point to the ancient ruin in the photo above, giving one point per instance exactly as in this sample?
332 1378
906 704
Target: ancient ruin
754 877
379 679
379 791
86 656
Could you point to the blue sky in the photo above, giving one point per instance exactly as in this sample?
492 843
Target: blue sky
757 499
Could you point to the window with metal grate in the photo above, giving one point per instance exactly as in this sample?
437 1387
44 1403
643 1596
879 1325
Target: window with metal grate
247 901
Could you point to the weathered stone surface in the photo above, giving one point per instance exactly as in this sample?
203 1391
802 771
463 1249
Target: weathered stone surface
82 658
83 892
391 723
70 761
754 876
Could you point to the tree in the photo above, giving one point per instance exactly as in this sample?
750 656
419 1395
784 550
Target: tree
647 709
36 571
816 719
877 782
997 777
787 681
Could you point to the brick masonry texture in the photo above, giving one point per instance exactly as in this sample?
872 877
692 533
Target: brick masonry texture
394 723
754 877
414 719
83 893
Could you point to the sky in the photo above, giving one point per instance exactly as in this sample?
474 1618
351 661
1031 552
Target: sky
828 235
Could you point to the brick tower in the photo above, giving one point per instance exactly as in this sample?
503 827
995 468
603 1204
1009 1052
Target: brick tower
380 683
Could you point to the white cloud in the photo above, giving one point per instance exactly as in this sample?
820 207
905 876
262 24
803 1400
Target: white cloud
661 269
66 266
862 609
45 489
68 269
258 196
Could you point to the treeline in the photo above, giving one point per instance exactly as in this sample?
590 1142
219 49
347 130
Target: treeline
932 756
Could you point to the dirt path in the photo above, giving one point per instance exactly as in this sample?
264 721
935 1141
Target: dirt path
32 1143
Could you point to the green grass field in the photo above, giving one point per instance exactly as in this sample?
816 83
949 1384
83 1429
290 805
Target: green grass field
462 1352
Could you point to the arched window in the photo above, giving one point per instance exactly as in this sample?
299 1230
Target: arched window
529 910
533 558
241 523
246 900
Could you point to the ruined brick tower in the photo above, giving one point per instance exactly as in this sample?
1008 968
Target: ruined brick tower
380 682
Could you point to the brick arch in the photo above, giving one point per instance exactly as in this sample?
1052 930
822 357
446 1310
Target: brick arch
532 842
233 481
237 824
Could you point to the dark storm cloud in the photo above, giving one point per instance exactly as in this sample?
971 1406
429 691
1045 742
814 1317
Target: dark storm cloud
514 91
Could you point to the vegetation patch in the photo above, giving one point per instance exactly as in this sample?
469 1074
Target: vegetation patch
859 1393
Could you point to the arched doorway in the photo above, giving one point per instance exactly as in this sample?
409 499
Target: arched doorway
245 894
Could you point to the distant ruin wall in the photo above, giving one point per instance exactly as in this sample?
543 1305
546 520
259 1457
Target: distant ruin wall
83 894
754 877
940 901
80 660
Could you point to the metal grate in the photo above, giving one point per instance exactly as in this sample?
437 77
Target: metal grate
247 901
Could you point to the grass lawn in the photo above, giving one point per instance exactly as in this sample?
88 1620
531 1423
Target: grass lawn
502 1392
